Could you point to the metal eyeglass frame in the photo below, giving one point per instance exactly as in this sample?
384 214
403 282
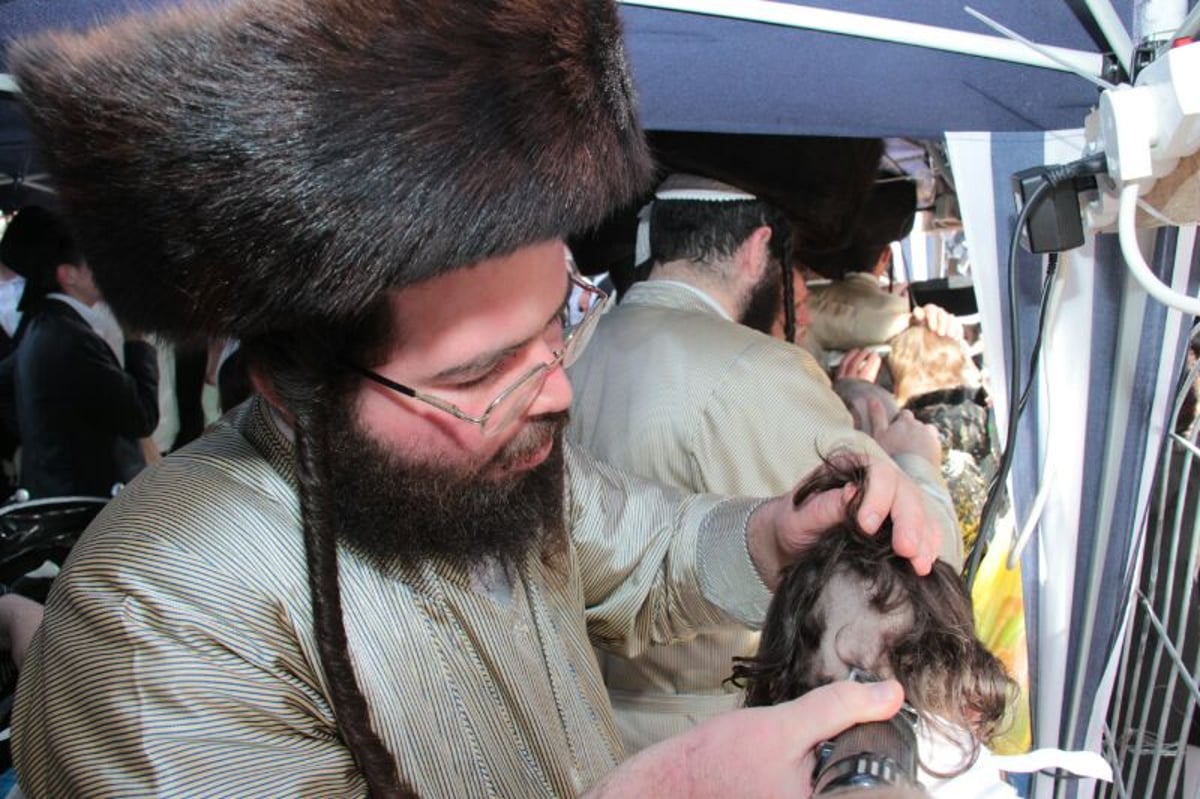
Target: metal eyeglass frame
574 340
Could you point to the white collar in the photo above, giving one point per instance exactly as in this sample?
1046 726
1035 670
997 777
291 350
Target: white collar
86 311
702 295
101 320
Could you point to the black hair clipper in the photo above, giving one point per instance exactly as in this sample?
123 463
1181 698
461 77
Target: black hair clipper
878 754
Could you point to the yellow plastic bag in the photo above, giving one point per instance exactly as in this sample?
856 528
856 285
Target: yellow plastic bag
1000 621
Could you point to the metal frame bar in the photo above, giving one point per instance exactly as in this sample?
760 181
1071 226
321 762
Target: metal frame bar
883 29
1133 743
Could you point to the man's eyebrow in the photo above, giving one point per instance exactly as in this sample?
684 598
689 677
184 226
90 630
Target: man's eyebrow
483 363
478 365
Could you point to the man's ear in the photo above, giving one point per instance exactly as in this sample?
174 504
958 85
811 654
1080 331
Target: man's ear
884 260
753 255
64 276
263 385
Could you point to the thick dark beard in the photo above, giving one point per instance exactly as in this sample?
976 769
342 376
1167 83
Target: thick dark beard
401 512
765 300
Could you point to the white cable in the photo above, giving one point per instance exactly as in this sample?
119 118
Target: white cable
1048 465
1127 229
1157 214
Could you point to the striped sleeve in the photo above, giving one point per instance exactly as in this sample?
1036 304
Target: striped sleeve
640 545
192 686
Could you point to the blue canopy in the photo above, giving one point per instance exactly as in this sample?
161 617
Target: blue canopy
704 73
710 74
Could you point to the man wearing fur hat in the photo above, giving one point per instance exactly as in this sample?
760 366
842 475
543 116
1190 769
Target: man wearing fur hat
854 310
717 406
384 573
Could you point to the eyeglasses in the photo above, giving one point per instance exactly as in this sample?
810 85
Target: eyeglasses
512 402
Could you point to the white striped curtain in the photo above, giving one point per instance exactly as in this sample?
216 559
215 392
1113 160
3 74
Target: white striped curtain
1092 429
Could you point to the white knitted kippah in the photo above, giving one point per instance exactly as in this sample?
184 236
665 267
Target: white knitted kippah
682 186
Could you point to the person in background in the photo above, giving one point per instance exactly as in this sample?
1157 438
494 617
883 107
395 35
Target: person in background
12 285
682 384
855 310
79 412
938 382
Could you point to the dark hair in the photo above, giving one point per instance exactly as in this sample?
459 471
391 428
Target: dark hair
705 232
35 243
307 368
888 216
857 257
233 381
949 677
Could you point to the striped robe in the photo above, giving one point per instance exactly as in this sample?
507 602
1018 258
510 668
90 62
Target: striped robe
177 655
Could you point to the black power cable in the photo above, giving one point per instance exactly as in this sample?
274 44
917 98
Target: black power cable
1082 176
1015 393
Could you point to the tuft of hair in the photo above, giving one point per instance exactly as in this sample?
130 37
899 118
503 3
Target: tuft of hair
949 677
306 367
260 164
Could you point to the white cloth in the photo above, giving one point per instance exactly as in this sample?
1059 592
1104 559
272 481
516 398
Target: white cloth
941 754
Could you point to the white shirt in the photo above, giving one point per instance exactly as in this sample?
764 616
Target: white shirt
10 297
100 319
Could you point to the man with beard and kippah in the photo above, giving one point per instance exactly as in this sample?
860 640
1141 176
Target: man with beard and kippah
683 384
384 573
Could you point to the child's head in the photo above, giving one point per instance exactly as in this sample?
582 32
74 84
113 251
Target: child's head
922 361
851 603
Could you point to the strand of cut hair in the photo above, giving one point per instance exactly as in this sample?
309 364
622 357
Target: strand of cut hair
320 544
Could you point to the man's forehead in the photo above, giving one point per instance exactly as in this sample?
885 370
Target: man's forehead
509 296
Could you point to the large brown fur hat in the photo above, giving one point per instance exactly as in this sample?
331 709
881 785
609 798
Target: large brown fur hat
236 168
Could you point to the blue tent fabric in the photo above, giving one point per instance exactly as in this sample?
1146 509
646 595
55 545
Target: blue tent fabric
751 77
708 74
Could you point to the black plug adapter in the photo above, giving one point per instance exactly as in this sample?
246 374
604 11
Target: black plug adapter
1056 224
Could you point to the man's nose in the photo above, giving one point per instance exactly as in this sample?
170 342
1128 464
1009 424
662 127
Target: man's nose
556 393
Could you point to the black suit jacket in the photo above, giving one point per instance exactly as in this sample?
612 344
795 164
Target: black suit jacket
79 414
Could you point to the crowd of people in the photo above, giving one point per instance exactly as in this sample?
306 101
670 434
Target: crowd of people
457 538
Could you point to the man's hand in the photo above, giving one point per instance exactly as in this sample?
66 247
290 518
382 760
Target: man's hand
859 365
19 620
857 396
778 533
939 320
756 752
132 333
902 433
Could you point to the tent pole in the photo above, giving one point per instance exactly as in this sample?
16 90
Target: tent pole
1113 29
883 29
